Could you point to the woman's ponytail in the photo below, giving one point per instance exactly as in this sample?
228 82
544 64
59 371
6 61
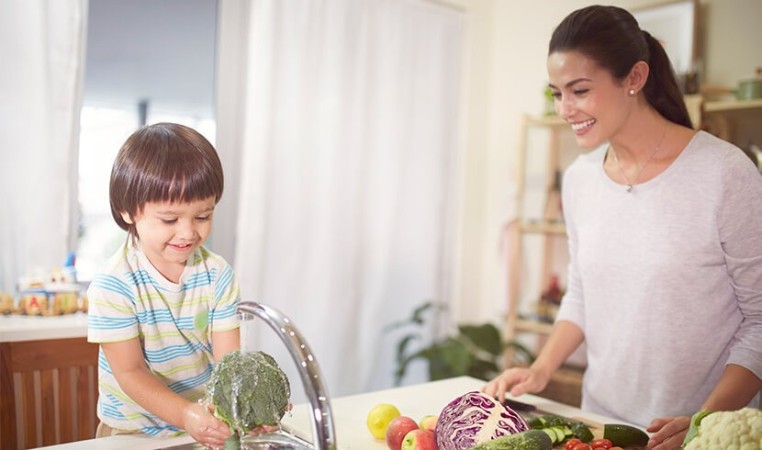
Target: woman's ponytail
661 89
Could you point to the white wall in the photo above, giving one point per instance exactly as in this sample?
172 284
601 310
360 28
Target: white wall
505 75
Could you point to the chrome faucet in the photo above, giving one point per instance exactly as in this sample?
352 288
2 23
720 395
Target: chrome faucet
323 431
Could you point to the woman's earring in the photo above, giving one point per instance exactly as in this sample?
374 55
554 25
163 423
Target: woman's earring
632 91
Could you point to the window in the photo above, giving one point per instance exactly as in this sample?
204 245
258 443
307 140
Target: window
158 53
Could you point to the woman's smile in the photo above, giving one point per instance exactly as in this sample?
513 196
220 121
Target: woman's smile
582 127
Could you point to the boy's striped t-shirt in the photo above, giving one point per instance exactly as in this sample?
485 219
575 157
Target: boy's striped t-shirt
173 322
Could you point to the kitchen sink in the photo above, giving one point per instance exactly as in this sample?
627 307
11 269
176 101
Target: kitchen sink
323 432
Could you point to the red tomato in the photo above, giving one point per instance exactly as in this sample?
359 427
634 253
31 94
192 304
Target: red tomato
582 447
571 443
604 444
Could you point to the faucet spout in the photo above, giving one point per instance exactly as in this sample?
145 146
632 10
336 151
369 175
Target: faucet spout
323 431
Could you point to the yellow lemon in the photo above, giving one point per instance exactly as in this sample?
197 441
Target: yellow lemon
379 417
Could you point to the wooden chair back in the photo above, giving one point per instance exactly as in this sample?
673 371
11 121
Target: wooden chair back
48 392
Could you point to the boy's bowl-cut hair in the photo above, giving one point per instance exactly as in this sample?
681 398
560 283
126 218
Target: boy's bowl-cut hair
163 162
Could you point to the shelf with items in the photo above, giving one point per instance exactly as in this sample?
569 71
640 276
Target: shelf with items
543 227
533 326
537 242
732 106
736 121
538 233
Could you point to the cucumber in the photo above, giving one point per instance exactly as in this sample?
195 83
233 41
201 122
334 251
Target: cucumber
537 422
567 427
624 435
551 434
556 434
581 431
526 440
555 421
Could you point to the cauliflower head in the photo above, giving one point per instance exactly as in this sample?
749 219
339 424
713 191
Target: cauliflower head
727 430
248 390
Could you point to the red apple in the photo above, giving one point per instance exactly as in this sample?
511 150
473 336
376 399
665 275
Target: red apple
420 439
398 428
428 422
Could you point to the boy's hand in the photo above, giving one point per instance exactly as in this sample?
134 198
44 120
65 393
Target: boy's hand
202 426
264 429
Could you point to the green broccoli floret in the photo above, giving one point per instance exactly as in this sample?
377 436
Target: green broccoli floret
248 390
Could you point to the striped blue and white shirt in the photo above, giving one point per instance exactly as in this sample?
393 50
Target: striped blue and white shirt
174 323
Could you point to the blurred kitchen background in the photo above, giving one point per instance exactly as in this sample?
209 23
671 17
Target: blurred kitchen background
370 146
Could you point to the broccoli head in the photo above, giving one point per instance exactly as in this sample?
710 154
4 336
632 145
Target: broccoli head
248 390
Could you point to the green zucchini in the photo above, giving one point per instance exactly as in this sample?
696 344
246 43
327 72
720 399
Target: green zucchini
624 435
526 440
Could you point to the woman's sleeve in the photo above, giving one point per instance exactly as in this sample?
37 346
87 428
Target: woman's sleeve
740 229
572 305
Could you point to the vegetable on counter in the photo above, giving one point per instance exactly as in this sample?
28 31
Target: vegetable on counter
475 418
625 435
248 390
560 428
526 440
741 429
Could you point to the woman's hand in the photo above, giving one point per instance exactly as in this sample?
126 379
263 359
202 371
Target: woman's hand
517 381
668 432
203 427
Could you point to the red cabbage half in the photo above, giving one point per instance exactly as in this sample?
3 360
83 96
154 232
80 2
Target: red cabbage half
473 419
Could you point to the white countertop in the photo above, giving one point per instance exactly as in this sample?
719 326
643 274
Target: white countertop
123 442
349 415
16 327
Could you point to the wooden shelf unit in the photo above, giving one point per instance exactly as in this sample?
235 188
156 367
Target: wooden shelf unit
732 105
533 326
543 227
548 229
723 117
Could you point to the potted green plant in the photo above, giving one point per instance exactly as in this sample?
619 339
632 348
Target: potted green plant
474 350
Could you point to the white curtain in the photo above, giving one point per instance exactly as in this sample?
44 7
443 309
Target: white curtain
42 54
347 174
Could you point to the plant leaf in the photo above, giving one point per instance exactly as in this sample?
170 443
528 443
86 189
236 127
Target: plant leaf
402 365
419 311
415 319
455 354
483 369
485 337
402 346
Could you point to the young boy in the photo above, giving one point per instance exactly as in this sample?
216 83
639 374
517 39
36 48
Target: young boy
164 310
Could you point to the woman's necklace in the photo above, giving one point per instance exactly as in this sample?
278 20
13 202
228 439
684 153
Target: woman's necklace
628 184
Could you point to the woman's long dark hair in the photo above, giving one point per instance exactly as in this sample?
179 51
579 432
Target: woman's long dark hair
612 37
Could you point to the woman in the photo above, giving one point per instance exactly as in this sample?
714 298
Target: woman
665 276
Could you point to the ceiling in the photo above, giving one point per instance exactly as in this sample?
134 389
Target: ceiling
160 51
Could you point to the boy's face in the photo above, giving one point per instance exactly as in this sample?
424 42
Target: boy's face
170 232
